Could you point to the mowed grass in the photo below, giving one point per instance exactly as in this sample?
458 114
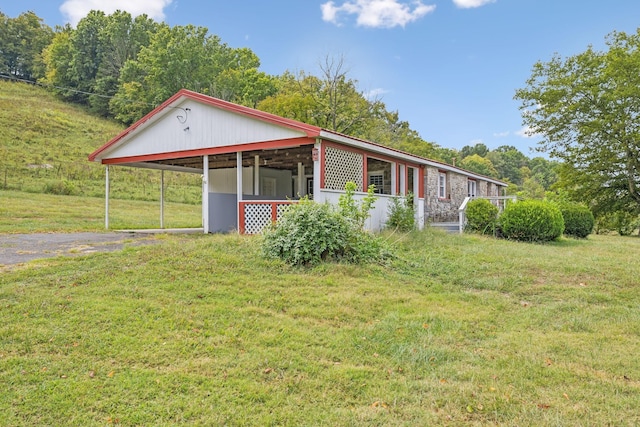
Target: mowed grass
201 330
32 212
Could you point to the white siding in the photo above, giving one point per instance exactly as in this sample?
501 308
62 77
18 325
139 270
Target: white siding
205 127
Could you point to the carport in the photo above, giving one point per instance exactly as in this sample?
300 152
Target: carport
254 164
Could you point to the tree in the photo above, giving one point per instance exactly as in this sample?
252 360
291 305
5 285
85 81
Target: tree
481 165
586 109
508 161
187 57
22 41
480 149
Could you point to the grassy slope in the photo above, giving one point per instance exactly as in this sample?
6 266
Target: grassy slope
38 129
202 330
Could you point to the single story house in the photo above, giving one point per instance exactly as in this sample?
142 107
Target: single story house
254 164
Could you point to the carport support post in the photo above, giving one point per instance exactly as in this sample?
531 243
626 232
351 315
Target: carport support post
162 198
106 198
239 185
205 193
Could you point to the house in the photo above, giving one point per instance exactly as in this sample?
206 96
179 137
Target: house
254 164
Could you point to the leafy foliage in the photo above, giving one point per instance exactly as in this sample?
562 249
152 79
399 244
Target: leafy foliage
482 216
623 223
585 107
578 220
402 213
309 232
532 221
481 165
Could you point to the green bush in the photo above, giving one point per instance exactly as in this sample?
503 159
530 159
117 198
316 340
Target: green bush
482 216
532 221
309 233
60 188
578 220
402 213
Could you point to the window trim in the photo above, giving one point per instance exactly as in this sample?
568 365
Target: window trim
443 182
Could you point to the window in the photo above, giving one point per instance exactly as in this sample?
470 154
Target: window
377 179
471 187
442 185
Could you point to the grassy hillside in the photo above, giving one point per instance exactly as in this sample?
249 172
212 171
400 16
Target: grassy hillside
44 145
200 330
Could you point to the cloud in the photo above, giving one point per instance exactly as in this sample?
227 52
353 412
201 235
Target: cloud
375 93
75 10
376 13
501 134
468 4
527 132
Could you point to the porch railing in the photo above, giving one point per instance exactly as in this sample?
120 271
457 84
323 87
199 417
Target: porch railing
255 215
499 201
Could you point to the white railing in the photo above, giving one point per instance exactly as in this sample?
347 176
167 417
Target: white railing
499 201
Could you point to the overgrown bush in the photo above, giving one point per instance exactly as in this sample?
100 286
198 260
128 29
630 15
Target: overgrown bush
310 232
402 213
60 188
532 221
578 219
482 216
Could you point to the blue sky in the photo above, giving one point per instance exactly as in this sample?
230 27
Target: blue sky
450 67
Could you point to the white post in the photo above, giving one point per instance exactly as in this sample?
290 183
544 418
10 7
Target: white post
205 193
106 198
256 175
316 171
238 186
301 181
162 198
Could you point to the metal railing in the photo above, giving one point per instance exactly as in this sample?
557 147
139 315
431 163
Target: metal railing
499 201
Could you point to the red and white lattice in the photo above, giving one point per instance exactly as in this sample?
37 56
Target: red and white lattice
256 217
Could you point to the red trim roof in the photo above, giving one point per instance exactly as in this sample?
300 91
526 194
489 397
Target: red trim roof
309 130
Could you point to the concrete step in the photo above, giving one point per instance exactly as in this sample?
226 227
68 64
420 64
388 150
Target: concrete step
449 227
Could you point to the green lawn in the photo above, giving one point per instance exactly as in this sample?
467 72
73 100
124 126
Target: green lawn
201 330
33 212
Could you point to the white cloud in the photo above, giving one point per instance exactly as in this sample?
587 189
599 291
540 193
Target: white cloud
375 93
501 134
377 13
75 10
476 142
527 132
468 4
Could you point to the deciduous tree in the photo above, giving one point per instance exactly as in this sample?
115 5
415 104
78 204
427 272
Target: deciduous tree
586 109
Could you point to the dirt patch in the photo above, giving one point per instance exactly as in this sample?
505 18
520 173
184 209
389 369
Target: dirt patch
21 248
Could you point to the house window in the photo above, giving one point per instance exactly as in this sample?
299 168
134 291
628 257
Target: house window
471 187
442 185
377 179
379 173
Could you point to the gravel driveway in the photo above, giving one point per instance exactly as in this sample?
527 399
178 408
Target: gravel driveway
20 248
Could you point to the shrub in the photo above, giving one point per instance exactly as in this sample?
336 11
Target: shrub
60 188
309 232
402 213
482 216
532 221
578 220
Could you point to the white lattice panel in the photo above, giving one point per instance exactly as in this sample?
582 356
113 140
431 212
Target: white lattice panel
281 209
342 166
256 217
